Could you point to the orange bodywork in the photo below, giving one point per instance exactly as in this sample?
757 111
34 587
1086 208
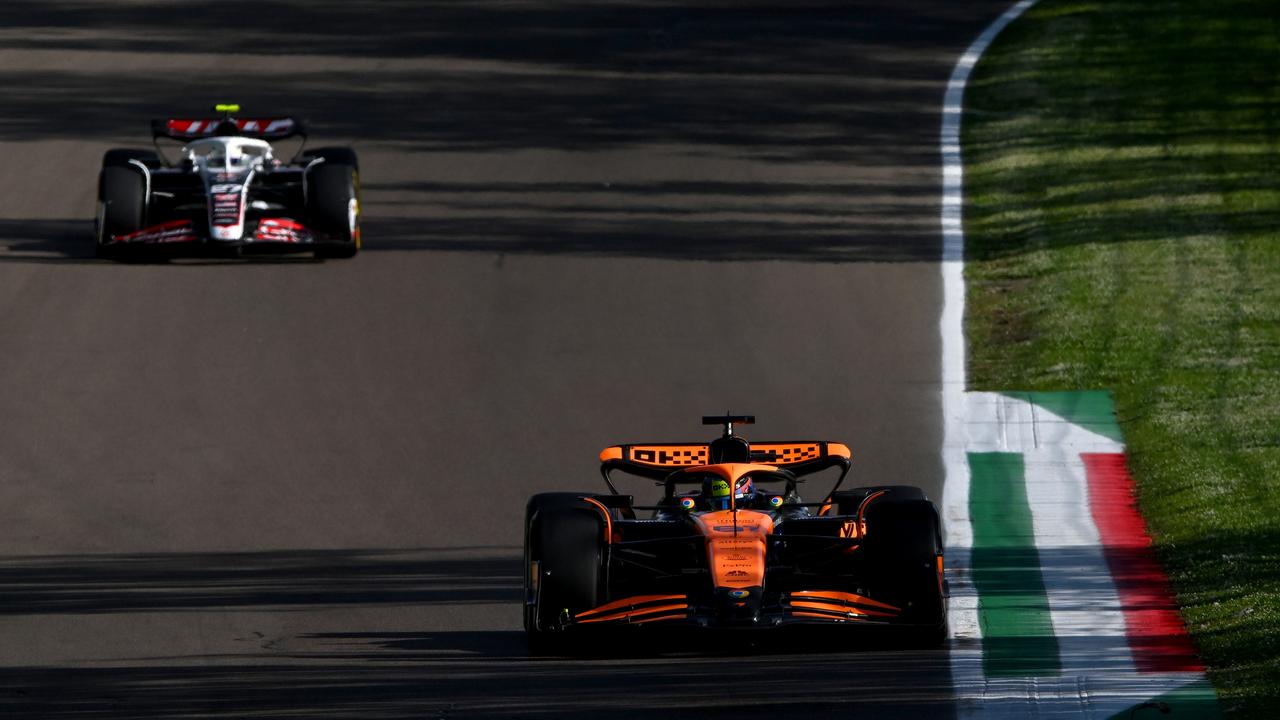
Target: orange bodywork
641 608
787 453
839 449
847 611
634 615
608 518
660 618
845 597
778 454
736 546
670 456
834 602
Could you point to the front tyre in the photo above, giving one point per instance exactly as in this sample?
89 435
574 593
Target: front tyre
903 546
564 551
122 196
333 208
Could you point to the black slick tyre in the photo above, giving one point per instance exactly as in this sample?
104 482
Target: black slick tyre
333 208
902 547
122 199
564 549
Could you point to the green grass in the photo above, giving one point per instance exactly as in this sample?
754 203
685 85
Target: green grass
1123 230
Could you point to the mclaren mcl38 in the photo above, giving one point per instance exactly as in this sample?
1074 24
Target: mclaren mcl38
227 190
730 545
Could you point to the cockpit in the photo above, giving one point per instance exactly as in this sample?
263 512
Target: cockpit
230 155
741 486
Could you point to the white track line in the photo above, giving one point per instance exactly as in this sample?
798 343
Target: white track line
966 647
1088 687
954 379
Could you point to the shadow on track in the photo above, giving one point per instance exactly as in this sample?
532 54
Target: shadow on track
372 673
455 685
407 674
696 120
190 581
572 76
481 674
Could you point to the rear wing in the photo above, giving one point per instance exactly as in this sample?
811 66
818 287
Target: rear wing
262 128
657 460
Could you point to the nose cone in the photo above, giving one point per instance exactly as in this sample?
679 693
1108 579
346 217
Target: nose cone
738 606
226 232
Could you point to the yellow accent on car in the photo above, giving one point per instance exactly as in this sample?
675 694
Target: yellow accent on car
226 107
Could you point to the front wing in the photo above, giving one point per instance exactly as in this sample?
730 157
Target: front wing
798 607
809 580
188 237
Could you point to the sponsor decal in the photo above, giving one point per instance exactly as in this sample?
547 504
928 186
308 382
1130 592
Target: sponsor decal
177 231
203 126
687 503
283 230
670 456
224 205
739 594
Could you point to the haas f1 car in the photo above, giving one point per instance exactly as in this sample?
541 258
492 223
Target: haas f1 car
730 545
227 189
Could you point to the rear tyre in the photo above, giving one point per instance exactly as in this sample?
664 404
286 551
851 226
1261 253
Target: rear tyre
902 548
122 195
333 208
564 544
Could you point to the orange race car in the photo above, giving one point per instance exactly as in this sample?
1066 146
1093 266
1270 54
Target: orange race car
730 545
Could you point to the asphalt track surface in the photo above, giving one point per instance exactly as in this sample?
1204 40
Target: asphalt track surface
243 489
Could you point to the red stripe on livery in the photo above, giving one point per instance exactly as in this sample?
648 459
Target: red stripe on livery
174 231
1157 637
282 230
200 127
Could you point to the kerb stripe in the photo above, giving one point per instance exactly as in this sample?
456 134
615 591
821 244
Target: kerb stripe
1154 628
1013 607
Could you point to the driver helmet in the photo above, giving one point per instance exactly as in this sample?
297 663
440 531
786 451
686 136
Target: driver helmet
744 491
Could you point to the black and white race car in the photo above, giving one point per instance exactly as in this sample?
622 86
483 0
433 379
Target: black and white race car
227 190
